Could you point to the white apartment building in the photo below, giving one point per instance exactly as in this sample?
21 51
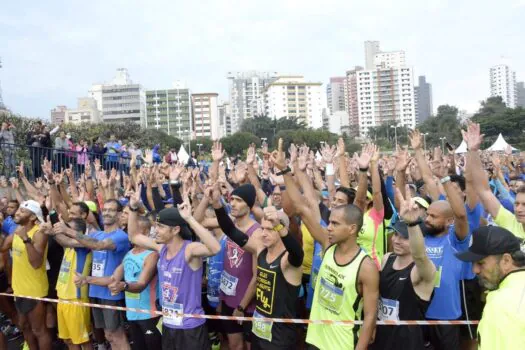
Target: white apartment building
225 124
351 100
335 94
121 100
385 95
503 83
293 97
205 115
389 59
86 112
245 92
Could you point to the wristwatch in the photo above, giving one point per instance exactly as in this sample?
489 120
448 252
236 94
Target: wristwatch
284 171
240 308
27 240
126 285
415 223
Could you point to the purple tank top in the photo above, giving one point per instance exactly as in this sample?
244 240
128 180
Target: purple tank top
237 273
181 290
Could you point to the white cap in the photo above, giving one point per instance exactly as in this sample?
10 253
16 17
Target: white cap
33 207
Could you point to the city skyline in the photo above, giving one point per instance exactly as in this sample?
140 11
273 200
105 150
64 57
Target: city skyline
50 58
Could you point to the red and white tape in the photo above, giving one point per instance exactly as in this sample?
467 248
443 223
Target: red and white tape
238 318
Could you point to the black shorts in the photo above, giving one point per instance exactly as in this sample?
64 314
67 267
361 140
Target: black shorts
25 306
106 318
232 327
213 325
4 282
442 337
471 307
195 338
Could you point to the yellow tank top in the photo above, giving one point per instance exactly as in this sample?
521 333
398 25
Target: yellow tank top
74 260
308 249
336 298
26 280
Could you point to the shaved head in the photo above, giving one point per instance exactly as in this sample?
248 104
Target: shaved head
441 208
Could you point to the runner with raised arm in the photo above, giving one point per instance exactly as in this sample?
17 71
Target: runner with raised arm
348 280
180 272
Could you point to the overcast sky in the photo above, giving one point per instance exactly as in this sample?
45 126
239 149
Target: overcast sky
52 51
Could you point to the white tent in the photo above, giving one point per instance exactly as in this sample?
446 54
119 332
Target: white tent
499 145
183 155
462 148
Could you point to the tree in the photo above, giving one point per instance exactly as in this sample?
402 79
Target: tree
445 124
205 142
312 138
239 142
265 127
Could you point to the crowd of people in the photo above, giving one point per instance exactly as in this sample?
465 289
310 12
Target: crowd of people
413 236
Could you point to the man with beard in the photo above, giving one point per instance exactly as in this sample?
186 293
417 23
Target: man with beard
498 258
29 247
109 248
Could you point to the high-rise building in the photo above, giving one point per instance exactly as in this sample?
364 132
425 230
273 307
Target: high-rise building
2 106
520 93
86 112
169 110
335 94
351 101
423 100
385 96
225 123
245 92
205 115
371 49
121 100
58 114
385 90
293 97
503 84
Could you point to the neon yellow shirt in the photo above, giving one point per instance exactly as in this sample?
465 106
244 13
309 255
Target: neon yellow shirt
508 221
308 249
502 325
74 260
372 236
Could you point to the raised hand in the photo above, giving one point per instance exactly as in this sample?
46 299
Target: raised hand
293 153
148 158
250 156
39 183
438 169
508 150
408 208
98 167
46 169
14 183
264 148
20 169
473 137
363 161
302 160
278 157
340 147
415 139
135 200
217 153
403 159
185 210
241 170
328 152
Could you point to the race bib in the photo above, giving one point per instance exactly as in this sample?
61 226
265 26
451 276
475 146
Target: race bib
134 296
437 278
173 314
98 266
330 294
388 309
228 284
262 329
64 272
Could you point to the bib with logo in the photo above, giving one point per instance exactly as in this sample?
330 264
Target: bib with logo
262 329
330 295
99 264
388 309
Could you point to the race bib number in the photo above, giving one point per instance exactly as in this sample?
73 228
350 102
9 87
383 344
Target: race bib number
173 314
228 284
98 266
330 295
134 296
437 278
64 272
388 309
262 329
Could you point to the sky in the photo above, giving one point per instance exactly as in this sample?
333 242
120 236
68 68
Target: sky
53 51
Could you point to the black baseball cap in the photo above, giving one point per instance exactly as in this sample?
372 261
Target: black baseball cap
400 227
490 240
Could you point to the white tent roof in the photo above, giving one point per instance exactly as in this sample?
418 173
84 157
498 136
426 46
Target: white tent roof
183 155
499 145
462 148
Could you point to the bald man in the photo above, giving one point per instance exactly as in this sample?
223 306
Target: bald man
446 231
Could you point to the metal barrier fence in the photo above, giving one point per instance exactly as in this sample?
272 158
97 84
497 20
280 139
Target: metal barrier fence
12 154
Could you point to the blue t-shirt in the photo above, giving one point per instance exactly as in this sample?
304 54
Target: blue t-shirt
446 303
214 272
113 150
106 261
9 226
473 217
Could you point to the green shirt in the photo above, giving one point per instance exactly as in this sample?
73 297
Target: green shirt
502 325
508 221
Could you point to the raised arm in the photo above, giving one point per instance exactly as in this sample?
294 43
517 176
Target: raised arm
425 270
363 161
426 173
377 195
133 231
480 182
369 283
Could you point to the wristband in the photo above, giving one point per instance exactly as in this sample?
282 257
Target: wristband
363 170
175 182
134 209
278 227
445 180
415 223
329 169
284 171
